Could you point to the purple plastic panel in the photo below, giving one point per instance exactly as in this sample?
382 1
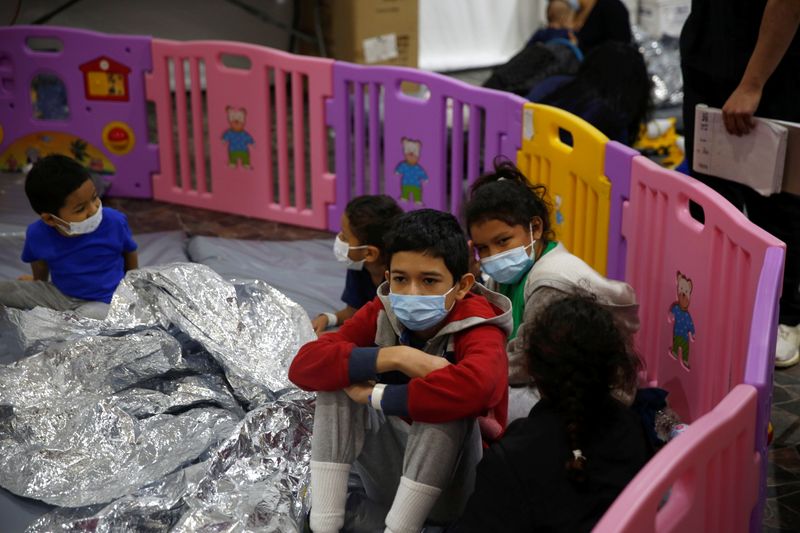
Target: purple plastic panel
455 128
761 364
120 117
618 171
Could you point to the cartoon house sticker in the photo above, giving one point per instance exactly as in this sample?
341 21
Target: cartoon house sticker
105 79
238 139
411 173
682 325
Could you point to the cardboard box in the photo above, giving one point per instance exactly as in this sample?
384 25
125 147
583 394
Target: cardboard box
370 32
663 17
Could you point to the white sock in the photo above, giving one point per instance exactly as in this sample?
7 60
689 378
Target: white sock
328 496
411 506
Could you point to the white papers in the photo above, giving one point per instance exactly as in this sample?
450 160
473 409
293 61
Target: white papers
756 159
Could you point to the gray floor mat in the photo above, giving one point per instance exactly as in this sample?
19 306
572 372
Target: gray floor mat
305 271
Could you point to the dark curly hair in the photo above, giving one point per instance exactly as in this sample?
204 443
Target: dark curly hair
577 356
433 233
507 195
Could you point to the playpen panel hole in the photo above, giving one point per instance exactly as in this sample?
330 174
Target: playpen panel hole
414 90
696 212
236 61
49 98
46 45
565 136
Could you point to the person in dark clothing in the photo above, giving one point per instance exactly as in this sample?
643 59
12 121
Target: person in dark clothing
560 468
600 21
560 16
744 56
611 91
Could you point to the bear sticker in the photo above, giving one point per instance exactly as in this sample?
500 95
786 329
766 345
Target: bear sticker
683 331
238 139
411 173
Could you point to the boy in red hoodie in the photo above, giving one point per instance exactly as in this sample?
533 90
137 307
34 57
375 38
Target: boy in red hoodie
407 385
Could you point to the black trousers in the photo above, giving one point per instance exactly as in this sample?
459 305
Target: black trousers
778 214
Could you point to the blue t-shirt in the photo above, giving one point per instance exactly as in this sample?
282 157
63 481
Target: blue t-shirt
238 140
412 175
683 322
87 266
358 288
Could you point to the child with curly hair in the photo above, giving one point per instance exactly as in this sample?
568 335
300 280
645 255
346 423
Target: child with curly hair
561 467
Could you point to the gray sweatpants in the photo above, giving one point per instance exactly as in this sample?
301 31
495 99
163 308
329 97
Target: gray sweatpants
384 448
30 294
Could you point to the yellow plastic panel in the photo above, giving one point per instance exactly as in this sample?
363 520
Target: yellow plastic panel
578 189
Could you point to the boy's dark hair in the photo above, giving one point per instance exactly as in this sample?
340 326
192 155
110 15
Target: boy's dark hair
371 217
507 195
577 356
433 233
51 180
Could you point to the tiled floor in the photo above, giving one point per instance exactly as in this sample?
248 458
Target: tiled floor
783 478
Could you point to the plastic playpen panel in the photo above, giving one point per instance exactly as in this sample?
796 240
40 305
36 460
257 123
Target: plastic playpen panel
708 472
79 93
241 130
696 284
760 361
618 169
567 155
419 137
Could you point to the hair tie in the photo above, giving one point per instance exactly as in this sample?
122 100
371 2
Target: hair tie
502 178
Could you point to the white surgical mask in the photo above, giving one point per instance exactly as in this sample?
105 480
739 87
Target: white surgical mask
84 226
342 252
509 266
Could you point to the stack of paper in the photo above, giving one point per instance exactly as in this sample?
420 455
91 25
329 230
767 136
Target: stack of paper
756 159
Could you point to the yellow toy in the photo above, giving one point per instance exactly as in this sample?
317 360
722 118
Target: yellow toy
659 141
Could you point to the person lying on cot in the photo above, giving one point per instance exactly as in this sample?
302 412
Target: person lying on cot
561 467
365 221
509 222
407 386
84 247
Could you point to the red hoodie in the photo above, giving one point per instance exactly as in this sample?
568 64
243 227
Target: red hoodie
474 338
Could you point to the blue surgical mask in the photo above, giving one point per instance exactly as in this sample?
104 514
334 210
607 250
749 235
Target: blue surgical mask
508 267
418 312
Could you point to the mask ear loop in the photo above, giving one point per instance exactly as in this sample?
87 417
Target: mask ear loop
532 254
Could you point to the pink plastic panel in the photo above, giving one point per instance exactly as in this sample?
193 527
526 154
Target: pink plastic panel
266 161
83 132
456 129
710 471
691 277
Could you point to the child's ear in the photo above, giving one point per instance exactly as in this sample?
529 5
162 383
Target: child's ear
386 275
464 285
49 219
373 254
537 226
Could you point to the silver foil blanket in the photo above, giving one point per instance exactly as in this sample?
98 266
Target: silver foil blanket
140 422
662 57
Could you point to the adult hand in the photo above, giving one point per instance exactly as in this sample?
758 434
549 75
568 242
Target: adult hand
319 324
25 277
737 113
359 392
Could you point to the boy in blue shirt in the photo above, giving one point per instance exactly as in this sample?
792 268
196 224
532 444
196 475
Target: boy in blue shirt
86 248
